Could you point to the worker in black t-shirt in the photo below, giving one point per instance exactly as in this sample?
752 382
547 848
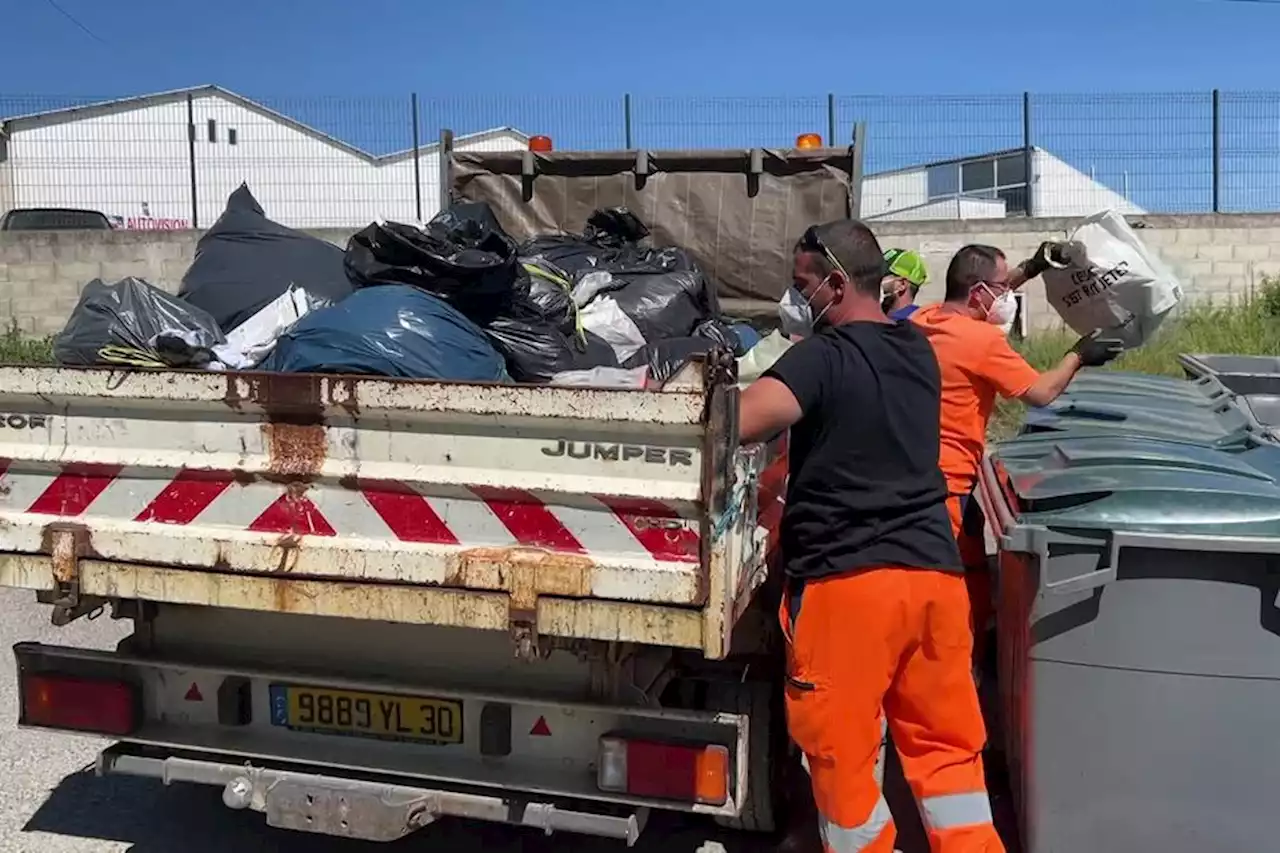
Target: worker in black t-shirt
876 614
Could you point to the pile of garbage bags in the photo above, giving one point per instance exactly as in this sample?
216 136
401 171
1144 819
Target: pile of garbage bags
456 299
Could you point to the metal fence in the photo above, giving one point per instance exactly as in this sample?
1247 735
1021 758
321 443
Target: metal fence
171 160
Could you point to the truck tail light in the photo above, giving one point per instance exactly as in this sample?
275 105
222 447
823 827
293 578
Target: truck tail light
644 768
79 704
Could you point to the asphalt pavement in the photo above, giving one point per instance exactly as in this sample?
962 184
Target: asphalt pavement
51 801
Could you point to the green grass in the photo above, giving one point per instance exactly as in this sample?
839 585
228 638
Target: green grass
1248 328
17 348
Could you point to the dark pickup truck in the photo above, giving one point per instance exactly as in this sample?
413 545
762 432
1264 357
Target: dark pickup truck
54 219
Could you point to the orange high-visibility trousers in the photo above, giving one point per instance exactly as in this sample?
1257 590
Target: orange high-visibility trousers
897 639
973 556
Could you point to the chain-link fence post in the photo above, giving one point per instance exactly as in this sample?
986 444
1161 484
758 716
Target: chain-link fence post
191 159
417 164
1028 153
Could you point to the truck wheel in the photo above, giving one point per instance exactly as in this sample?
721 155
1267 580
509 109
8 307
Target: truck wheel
756 700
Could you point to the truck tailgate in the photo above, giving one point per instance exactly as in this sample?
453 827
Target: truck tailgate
589 513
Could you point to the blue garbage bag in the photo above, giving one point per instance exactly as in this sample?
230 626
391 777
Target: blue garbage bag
393 330
748 337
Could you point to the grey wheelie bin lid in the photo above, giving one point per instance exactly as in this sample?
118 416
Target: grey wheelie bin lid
1039 489
1242 374
1131 384
1197 419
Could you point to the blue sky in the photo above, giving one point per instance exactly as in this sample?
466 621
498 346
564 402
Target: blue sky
749 73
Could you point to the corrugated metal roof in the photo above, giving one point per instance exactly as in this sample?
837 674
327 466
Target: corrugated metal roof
13 124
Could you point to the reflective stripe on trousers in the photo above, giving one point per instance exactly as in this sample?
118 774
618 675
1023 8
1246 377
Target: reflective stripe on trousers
955 811
949 811
855 839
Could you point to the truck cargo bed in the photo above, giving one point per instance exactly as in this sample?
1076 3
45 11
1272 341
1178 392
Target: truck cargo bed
554 511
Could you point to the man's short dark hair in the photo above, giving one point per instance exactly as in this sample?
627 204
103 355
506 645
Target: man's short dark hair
972 264
851 243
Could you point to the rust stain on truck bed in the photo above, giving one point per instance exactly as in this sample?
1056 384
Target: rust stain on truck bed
296 393
295 450
66 543
525 573
288 545
294 404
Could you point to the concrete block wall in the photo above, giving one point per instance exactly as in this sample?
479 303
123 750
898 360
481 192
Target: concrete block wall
42 273
1222 258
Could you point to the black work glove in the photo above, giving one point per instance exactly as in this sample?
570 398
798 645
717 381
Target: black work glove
1050 255
1095 350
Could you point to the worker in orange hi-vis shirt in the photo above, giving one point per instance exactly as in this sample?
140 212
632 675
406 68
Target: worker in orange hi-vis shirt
977 364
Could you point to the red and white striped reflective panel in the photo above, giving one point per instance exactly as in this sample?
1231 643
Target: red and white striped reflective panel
471 517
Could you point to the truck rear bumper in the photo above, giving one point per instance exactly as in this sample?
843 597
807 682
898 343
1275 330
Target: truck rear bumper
526 760
357 808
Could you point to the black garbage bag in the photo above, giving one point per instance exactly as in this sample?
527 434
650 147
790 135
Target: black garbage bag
534 349
665 358
565 256
537 336
549 294
479 213
396 330
666 305
610 240
245 261
661 290
723 334
670 259
135 323
573 257
592 351
461 256
614 226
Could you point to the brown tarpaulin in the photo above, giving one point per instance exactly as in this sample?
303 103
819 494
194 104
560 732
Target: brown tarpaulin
740 227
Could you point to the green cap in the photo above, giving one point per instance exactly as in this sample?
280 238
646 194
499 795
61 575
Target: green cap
907 264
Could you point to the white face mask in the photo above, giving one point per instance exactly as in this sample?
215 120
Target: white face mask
796 313
1003 310
888 294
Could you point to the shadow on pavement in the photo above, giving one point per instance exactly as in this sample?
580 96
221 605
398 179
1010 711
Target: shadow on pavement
152 818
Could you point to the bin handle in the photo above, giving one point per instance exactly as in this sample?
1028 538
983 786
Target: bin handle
1106 573
991 497
1082 583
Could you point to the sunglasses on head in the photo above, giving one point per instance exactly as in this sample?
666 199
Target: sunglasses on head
811 242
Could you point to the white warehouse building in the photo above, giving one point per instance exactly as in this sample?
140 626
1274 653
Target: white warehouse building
132 159
988 186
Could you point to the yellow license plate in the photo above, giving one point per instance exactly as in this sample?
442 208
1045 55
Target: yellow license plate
379 715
